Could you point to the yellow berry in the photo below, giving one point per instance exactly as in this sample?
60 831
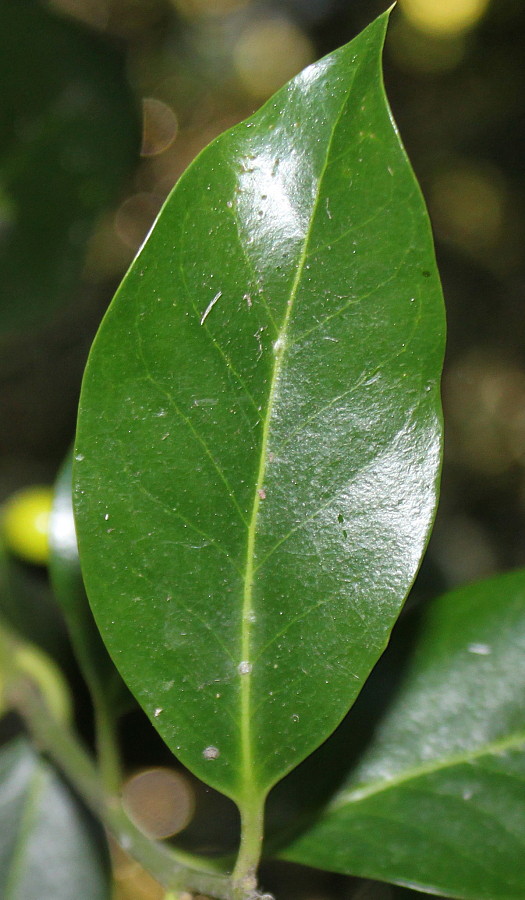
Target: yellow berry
25 523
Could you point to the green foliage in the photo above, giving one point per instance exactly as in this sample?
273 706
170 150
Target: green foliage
50 849
444 774
98 670
255 479
68 137
255 490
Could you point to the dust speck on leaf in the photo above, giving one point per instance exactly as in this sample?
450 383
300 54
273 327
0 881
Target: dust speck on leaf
244 667
480 649
211 753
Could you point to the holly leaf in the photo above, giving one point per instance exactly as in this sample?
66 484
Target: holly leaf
259 432
438 800
49 845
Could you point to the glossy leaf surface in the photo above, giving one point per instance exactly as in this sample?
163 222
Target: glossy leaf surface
259 430
68 138
438 801
102 678
50 848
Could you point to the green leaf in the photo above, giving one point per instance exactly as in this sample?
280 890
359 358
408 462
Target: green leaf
259 431
68 139
50 849
102 678
28 605
438 800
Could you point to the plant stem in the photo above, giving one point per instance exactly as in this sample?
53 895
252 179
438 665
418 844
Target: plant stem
244 876
108 754
61 745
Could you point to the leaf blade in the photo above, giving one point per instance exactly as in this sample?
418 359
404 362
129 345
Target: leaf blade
229 322
64 97
444 773
48 843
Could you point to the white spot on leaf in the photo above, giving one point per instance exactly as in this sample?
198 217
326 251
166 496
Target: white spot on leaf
480 649
211 753
244 667
210 306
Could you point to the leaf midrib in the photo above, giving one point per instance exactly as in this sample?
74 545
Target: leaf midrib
494 748
279 348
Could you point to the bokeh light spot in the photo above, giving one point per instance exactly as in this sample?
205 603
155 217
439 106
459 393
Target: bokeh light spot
444 16
92 12
465 550
268 53
416 51
159 126
7 213
135 217
196 9
467 201
106 255
484 395
160 801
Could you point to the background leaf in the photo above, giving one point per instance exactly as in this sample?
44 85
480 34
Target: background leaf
68 138
30 608
438 801
50 849
259 430
102 678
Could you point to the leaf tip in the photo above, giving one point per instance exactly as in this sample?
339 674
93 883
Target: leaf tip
380 24
387 13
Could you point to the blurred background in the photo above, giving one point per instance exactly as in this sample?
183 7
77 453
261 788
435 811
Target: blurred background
105 103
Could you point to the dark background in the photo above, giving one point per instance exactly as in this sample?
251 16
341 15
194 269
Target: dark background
183 71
